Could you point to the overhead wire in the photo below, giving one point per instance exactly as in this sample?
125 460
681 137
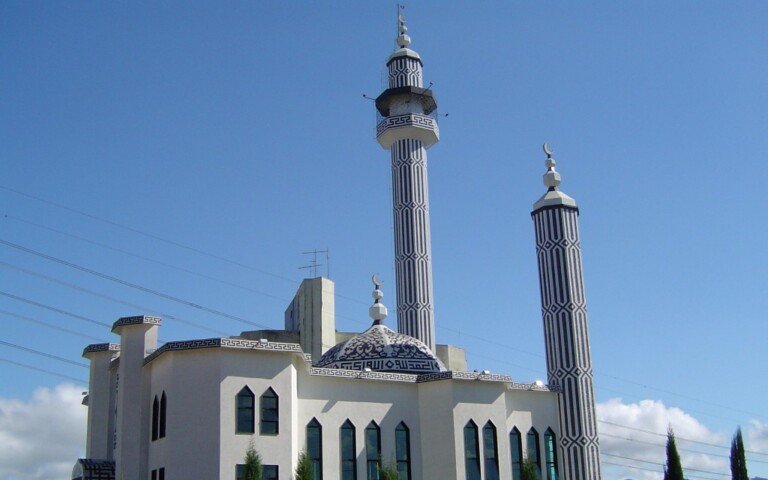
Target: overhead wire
657 463
635 440
49 372
47 325
42 354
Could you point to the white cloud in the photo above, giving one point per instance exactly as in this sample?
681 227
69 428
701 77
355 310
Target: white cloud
41 438
757 437
654 416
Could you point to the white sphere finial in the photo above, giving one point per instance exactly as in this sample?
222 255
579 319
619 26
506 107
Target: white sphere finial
378 311
552 177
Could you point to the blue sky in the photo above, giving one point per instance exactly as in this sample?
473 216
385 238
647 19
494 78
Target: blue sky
240 130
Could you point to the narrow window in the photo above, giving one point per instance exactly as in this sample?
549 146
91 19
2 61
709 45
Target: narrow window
315 448
269 472
550 454
516 452
245 416
403 451
161 474
490 452
154 472
348 452
373 450
163 405
240 472
155 420
471 452
270 418
533 449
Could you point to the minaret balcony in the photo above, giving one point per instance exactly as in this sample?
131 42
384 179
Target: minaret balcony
415 126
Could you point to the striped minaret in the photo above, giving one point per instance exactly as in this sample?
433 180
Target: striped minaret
407 129
566 333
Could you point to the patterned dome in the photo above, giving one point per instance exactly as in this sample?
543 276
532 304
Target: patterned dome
382 350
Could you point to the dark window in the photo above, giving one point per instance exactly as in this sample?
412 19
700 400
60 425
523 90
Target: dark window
550 454
240 472
348 452
269 472
490 452
161 473
471 452
154 472
533 449
270 415
155 419
516 452
372 451
315 448
245 414
163 405
403 451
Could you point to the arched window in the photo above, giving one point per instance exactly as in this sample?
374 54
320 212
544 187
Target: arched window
245 413
516 452
490 452
372 451
315 448
471 452
270 415
163 409
155 418
348 452
550 454
533 449
403 451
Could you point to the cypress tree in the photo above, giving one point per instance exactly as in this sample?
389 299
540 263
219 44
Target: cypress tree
253 468
738 458
304 467
673 470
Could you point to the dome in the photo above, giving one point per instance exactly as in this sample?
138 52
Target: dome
382 350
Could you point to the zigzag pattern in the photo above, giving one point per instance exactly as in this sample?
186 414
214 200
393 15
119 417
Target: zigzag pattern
413 251
566 334
405 72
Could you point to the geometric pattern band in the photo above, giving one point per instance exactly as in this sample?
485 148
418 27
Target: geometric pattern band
413 251
405 72
566 336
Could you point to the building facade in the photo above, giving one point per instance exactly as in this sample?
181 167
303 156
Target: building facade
356 401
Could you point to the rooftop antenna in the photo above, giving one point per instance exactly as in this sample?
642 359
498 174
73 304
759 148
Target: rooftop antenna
312 267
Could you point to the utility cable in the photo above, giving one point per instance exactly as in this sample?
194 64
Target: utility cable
42 354
661 464
49 372
54 309
679 448
47 325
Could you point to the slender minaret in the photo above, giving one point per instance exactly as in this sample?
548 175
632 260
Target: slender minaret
566 334
408 128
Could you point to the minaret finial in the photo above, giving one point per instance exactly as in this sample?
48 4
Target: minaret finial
378 311
402 40
551 178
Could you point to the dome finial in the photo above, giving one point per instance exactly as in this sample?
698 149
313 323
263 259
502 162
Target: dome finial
552 177
378 311
402 40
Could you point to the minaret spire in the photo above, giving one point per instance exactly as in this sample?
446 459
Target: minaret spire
408 128
566 334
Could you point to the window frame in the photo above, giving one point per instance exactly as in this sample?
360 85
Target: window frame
348 428
403 428
516 464
163 411
375 462
491 463
245 392
471 462
550 449
269 393
317 462
533 434
264 469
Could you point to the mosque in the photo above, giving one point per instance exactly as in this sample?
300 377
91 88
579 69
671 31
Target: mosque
354 401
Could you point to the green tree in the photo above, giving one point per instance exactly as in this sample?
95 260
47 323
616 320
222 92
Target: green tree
388 471
673 470
529 470
253 468
304 467
738 458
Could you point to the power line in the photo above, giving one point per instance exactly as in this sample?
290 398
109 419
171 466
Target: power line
42 354
54 309
48 325
49 372
635 467
657 463
679 448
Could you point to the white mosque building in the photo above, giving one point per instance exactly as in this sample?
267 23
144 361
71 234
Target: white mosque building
188 409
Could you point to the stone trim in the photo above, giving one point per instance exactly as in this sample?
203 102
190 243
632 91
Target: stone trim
136 320
101 347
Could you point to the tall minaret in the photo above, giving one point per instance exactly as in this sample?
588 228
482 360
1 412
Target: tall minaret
566 334
408 128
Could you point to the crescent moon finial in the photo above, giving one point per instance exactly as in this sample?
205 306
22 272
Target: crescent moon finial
547 150
375 280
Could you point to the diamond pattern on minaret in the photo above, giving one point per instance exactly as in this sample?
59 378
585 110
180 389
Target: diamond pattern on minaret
566 333
407 130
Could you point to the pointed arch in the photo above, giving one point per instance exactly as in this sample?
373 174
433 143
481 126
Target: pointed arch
372 450
471 452
550 454
516 452
403 451
532 441
490 452
269 413
348 450
155 418
163 410
244 403
315 448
